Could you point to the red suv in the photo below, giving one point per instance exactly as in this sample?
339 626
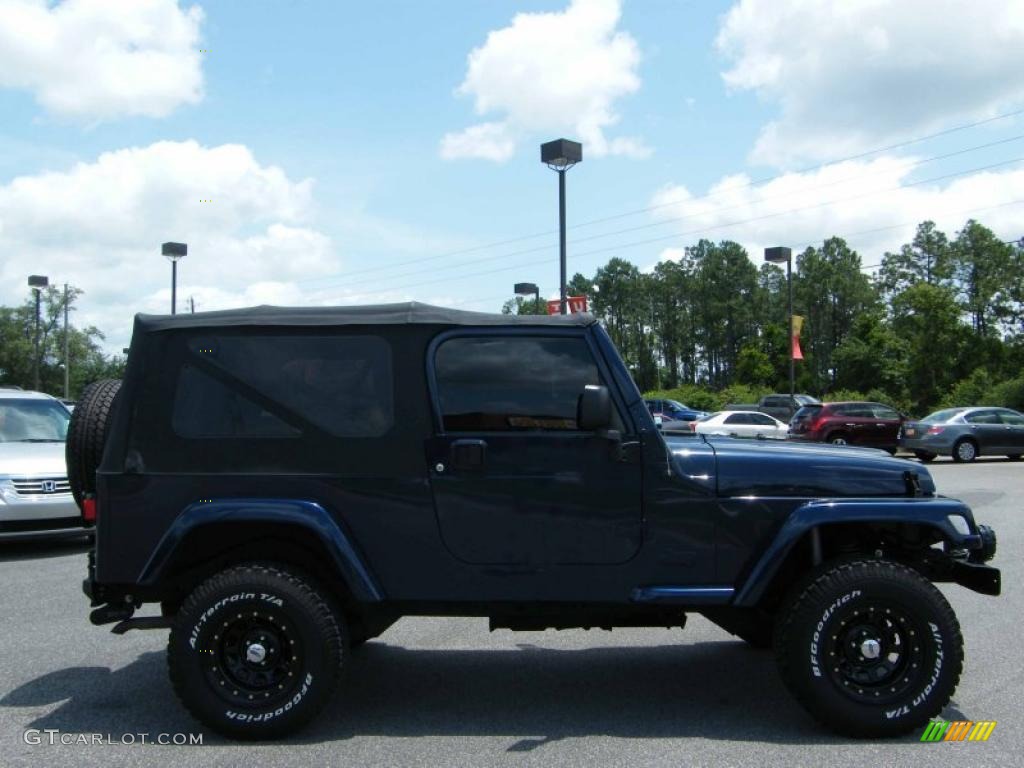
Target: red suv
869 424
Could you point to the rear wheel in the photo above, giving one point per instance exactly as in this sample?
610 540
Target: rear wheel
965 450
87 435
869 648
255 652
838 438
925 456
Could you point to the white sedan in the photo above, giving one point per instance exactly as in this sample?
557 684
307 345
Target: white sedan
742 424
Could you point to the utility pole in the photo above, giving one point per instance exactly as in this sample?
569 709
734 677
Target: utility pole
67 348
37 283
192 303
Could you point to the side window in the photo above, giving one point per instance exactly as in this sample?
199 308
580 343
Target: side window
737 418
762 419
277 386
983 417
884 412
512 383
1009 417
775 402
204 407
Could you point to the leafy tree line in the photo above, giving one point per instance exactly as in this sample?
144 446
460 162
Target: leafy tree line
940 320
17 346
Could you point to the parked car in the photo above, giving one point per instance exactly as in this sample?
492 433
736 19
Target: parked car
965 434
742 424
779 406
673 410
783 407
35 497
283 484
871 425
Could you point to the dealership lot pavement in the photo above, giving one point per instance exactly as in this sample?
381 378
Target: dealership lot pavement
447 692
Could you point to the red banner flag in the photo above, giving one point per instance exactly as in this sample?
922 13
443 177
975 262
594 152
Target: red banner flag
798 324
573 304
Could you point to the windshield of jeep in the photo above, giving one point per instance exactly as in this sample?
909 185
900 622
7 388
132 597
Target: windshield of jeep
33 421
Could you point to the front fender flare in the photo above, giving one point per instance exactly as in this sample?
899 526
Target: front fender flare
307 515
924 511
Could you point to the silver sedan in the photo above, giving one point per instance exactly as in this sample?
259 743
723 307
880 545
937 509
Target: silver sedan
965 434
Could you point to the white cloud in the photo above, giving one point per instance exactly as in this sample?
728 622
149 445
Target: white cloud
484 141
551 74
860 73
101 59
99 226
868 203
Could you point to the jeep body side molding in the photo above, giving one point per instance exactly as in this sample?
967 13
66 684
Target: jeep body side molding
307 515
934 512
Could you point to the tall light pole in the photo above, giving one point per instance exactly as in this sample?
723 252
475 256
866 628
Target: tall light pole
174 252
67 348
777 256
37 283
561 155
525 289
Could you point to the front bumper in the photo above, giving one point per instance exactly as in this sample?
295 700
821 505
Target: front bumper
39 517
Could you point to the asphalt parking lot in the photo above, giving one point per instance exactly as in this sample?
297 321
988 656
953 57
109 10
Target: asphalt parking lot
447 692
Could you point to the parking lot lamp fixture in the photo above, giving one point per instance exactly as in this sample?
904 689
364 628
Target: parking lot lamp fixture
561 155
526 289
37 283
174 251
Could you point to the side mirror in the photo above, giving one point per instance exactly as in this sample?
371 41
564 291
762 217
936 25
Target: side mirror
594 410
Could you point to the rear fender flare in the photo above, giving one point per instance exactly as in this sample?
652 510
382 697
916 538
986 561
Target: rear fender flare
933 512
308 515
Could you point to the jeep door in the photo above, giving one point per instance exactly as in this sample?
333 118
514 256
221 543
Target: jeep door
514 480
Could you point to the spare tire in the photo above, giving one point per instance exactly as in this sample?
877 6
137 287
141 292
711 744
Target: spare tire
87 434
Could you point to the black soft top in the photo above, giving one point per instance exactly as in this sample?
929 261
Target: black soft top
410 312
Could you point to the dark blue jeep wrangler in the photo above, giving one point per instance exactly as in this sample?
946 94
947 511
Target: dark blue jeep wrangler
287 483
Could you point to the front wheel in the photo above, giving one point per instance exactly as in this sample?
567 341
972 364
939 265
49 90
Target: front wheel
255 652
869 648
965 451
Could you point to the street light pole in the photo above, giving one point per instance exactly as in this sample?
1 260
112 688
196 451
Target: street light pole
777 256
561 155
67 347
792 359
174 252
37 283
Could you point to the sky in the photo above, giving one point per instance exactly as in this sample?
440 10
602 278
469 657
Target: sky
315 153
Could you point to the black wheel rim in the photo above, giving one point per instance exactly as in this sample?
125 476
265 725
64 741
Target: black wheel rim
876 653
253 658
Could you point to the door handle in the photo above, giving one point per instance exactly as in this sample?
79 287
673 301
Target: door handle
467 454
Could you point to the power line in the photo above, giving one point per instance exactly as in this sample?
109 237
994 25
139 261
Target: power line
638 211
646 242
537 249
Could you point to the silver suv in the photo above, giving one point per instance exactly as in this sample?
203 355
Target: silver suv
35 499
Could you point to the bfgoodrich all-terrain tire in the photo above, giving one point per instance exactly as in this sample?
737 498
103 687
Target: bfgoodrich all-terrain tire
255 652
869 648
87 434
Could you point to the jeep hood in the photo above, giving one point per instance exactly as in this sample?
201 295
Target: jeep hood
777 468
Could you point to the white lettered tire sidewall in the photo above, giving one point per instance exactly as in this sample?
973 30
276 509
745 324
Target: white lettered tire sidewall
284 598
803 647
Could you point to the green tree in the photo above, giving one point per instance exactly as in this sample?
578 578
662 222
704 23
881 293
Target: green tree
982 279
926 259
831 291
928 319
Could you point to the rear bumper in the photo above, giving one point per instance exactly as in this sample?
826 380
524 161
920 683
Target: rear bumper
937 444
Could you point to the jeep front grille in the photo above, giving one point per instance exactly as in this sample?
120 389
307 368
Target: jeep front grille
40 486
